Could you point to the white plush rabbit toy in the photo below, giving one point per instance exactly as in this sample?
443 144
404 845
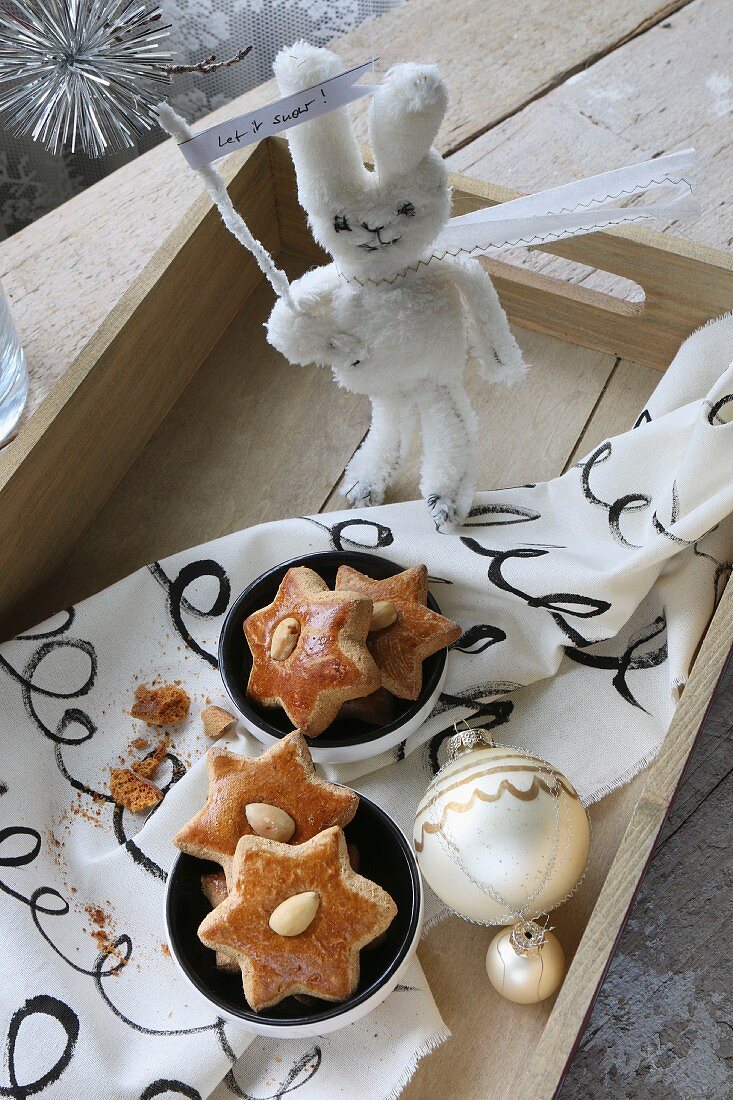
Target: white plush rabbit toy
390 321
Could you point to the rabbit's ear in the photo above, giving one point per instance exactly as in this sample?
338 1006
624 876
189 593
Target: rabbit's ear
325 152
406 112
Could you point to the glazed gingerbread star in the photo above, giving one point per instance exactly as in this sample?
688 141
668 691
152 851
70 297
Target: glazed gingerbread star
309 652
334 912
283 777
416 632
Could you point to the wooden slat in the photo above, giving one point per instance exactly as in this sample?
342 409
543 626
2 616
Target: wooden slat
668 89
626 394
251 439
662 778
662 1015
54 479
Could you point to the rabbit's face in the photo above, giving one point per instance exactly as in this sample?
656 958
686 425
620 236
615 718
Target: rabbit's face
373 223
389 224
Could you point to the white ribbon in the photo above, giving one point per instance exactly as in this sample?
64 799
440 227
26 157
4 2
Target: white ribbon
574 209
293 110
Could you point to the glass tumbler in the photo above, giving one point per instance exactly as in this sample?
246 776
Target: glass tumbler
13 374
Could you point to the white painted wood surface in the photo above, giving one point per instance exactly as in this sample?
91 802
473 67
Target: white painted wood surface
542 92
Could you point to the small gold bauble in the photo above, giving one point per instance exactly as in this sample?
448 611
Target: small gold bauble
525 975
499 833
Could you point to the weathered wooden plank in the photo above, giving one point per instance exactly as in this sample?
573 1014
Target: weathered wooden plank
661 781
75 450
64 273
665 90
661 1025
250 440
627 392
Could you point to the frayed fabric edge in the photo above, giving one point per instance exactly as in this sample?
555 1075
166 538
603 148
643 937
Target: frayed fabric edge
626 777
426 1047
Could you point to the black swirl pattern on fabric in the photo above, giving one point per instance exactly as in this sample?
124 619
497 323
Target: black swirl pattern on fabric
486 714
48 901
69 612
630 502
54 1009
714 408
178 602
178 771
72 715
631 660
502 515
166 1087
644 417
477 639
561 603
721 575
299 1074
339 541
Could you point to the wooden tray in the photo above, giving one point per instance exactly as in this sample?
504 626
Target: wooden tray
178 423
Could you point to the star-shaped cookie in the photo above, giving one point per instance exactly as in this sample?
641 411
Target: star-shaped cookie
400 649
329 663
285 777
323 959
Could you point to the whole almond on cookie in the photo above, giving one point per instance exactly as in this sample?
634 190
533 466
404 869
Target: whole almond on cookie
383 615
270 821
284 639
294 915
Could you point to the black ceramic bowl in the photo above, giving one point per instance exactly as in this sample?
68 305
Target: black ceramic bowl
343 741
385 856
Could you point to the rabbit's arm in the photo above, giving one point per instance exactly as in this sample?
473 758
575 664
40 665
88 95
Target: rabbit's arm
489 336
312 333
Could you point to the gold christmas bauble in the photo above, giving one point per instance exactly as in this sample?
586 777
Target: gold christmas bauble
525 975
500 832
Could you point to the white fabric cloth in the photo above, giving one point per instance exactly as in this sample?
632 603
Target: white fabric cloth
593 589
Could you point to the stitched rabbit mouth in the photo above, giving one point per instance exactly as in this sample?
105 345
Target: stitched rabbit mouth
375 246
368 247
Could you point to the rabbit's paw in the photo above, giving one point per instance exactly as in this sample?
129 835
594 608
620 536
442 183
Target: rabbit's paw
362 494
444 513
343 350
508 368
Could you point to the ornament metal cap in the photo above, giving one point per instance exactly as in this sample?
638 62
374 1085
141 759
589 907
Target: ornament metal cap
467 738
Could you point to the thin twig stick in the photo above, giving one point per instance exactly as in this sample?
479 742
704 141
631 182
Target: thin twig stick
208 65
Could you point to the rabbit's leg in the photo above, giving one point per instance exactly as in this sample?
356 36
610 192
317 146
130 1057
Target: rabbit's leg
380 456
449 454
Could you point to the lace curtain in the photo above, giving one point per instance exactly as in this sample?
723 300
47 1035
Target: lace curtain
33 181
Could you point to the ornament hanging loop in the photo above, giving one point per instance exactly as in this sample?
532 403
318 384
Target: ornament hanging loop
527 937
466 738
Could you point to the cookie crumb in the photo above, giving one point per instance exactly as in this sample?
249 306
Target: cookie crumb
133 791
164 706
216 721
148 767
140 743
